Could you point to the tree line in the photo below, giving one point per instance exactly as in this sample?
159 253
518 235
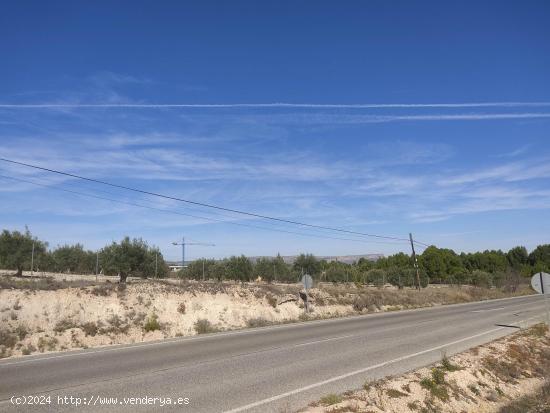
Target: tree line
134 257
129 257
436 265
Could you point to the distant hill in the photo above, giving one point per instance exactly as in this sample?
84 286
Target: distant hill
289 259
347 259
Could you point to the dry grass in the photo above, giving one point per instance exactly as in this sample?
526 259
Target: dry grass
203 326
538 402
330 399
257 322
40 283
152 324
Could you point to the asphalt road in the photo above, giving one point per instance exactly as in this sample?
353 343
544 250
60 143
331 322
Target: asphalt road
269 369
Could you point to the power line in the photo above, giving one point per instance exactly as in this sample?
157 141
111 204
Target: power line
272 105
252 214
192 215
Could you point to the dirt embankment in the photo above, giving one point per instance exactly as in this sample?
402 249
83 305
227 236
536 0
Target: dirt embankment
505 376
49 314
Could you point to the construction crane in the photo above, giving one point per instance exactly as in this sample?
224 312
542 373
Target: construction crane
183 244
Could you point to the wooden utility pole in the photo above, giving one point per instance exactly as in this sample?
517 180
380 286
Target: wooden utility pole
415 262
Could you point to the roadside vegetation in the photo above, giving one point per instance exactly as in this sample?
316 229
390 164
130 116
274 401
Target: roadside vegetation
135 258
129 257
509 375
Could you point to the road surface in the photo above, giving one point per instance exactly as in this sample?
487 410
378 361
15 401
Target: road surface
271 369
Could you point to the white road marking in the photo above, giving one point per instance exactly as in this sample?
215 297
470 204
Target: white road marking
489 309
355 372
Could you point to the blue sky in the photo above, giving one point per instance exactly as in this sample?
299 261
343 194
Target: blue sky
383 156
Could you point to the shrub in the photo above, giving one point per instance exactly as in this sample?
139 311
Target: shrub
21 330
481 279
538 330
28 350
436 385
139 317
181 308
152 324
63 325
203 326
257 322
448 366
103 290
370 301
272 301
474 389
47 343
7 338
438 376
331 399
90 328
394 394
413 405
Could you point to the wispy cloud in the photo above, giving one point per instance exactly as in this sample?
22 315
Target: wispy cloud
508 172
515 153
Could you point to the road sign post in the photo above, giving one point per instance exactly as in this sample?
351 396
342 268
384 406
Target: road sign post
541 284
307 281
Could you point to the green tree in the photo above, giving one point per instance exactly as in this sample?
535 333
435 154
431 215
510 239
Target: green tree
335 271
376 276
481 279
16 250
239 268
132 258
517 257
433 262
194 269
364 265
74 259
271 269
461 277
540 258
308 264
440 263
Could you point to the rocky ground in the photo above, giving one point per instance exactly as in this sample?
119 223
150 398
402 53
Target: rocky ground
505 376
44 314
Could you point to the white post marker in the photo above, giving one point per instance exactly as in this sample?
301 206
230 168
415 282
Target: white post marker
541 284
308 283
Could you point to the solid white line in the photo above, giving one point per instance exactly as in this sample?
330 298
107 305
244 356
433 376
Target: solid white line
363 370
489 309
324 340
120 347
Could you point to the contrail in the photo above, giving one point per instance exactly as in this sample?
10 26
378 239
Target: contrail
467 116
271 105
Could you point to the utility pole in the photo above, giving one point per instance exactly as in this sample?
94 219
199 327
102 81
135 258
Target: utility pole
156 263
415 262
32 259
203 269
96 264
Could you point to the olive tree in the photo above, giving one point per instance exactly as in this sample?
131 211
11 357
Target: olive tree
132 258
16 250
